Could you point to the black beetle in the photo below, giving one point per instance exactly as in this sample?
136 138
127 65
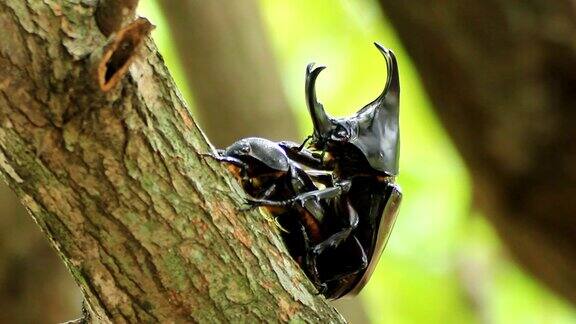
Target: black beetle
336 233
361 151
309 216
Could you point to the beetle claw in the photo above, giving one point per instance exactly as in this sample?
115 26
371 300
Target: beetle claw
271 203
321 289
210 155
247 206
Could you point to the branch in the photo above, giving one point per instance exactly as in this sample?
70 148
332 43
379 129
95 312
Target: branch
149 228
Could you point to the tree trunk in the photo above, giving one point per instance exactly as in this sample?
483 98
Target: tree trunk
105 155
244 82
501 76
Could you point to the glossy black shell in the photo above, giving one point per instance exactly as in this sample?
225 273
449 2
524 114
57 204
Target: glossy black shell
260 149
374 129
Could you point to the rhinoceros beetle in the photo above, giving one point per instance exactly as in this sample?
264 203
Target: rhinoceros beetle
267 174
361 150
311 218
336 232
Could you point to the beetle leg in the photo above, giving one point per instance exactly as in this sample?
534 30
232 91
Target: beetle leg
300 181
303 156
264 194
267 202
344 236
308 262
303 199
321 176
326 193
267 191
339 237
313 272
301 147
322 283
363 263
313 252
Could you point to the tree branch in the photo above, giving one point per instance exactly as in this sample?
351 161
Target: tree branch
149 228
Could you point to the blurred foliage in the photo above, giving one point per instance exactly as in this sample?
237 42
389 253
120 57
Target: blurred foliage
444 263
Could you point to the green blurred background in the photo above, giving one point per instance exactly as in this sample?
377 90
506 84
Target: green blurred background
444 263
514 63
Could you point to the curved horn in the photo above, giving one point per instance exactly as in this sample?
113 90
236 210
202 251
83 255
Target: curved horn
320 119
390 95
378 129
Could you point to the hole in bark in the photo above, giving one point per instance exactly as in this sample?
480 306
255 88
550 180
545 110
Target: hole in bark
120 51
118 59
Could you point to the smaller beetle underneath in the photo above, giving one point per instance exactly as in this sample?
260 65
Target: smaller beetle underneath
335 199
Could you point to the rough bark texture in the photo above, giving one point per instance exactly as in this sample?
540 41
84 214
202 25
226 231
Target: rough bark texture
148 227
249 91
501 76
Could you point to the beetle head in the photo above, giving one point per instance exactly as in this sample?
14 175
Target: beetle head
261 150
373 129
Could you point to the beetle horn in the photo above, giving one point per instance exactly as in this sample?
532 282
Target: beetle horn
320 119
378 132
389 99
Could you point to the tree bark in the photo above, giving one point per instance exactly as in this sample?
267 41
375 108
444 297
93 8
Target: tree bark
98 144
501 77
229 64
